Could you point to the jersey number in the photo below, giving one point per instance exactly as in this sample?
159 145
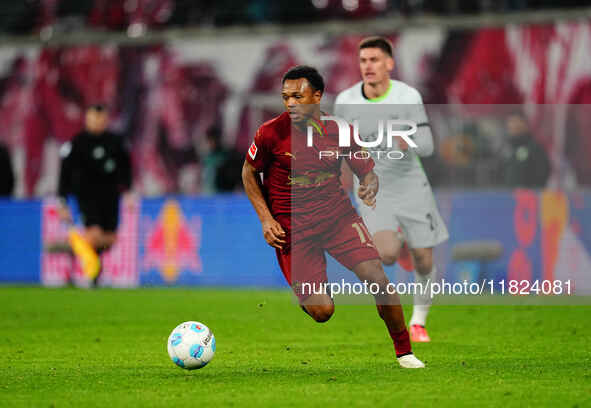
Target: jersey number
431 221
361 229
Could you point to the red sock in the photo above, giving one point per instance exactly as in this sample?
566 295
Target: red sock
401 342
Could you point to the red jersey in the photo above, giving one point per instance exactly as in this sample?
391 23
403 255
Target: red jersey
303 189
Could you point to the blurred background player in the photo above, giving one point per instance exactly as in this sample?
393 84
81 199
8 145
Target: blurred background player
221 165
525 163
95 169
305 212
405 200
6 172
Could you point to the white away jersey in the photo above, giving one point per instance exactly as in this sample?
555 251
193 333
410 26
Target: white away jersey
398 178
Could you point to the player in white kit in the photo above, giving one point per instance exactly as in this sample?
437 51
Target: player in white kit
405 206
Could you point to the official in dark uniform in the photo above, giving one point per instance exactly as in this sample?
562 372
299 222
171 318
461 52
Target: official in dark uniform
6 173
96 170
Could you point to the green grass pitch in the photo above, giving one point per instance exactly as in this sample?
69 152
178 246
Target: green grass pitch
107 348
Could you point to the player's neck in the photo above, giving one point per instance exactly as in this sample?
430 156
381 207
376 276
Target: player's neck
303 125
374 91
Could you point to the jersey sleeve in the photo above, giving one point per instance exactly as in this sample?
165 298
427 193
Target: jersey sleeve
66 169
423 138
416 109
259 152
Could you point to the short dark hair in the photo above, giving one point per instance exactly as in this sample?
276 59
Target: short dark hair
214 133
98 107
307 72
377 42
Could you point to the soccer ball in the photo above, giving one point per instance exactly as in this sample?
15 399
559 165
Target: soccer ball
191 345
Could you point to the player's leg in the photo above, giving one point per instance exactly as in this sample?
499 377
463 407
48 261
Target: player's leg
304 268
101 240
390 310
424 229
387 237
109 222
107 231
109 239
84 242
93 234
423 259
352 247
319 307
383 226
388 245
425 274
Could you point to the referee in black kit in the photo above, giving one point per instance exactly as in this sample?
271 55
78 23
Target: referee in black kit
96 170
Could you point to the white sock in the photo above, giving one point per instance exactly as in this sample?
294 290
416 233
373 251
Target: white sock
422 302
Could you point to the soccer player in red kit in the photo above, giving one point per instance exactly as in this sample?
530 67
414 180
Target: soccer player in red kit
304 210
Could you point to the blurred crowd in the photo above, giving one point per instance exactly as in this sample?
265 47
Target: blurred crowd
498 151
166 109
494 152
137 16
189 108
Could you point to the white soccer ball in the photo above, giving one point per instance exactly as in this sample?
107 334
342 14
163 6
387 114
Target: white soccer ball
191 345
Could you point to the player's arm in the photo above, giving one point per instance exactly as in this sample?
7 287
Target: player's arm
65 180
363 168
424 137
272 231
368 180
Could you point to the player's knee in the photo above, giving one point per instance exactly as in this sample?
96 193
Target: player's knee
372 272
423 263
424 269
94 241
109 241
387 247
388 258
323 316
320 313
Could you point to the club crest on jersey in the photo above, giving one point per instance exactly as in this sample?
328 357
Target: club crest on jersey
252 151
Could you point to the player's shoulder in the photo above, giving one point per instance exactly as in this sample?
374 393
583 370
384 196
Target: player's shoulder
114 138
73 144
405 93
66 149
274 128
350 95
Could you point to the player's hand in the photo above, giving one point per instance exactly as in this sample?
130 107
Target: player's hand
273 233
368 189
64 213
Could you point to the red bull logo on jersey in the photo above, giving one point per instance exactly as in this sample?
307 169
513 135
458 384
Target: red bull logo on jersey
172 243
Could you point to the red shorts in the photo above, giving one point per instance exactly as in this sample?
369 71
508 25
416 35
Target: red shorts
346 239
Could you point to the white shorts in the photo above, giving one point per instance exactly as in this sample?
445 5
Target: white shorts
417 217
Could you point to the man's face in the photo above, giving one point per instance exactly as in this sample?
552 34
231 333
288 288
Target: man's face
300 99
96 121
375 65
